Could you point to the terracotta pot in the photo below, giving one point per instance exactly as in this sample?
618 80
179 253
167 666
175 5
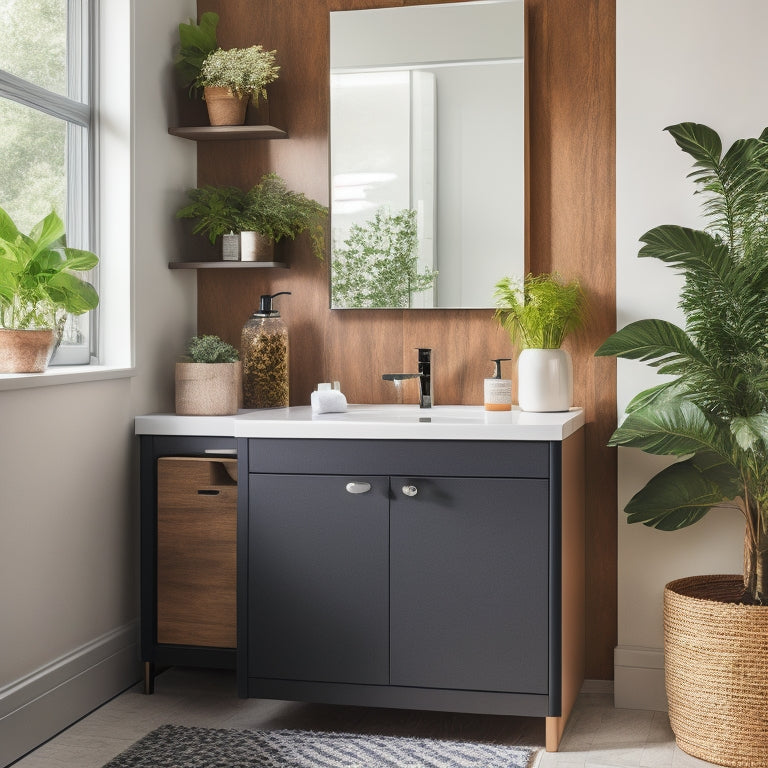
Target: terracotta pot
208 389
224 106
256 247
716 670
25 351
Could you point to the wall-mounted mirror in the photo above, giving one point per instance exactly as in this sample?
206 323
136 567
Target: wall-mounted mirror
427 154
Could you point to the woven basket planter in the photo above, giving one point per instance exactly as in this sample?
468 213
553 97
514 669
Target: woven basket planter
208 389
716 660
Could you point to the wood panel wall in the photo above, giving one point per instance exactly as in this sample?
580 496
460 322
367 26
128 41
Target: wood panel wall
571 226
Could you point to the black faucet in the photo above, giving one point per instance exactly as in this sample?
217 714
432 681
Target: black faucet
424 376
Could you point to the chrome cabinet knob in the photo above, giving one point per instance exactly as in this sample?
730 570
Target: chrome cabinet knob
410 490
358 487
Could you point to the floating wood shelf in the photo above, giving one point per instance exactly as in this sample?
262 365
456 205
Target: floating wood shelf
227 265
228 132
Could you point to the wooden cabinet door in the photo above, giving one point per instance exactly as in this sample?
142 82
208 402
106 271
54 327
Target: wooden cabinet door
318 578
469 586
196 551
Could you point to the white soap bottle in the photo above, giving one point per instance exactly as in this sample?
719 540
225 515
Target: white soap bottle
498 391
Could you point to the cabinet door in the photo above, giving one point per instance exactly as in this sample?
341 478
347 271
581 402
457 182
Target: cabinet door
469 587
196 551
318 606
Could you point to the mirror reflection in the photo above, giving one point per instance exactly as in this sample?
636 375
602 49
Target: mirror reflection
427 154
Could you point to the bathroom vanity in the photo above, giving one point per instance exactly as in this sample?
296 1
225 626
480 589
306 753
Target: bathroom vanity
399 557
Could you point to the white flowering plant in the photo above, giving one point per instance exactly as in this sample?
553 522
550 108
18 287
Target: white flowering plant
245 71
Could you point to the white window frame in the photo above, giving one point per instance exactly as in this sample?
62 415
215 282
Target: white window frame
77 109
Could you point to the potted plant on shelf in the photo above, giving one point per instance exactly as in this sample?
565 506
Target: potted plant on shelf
711 415
231 78
256 219
38 289
538 314
217 212
377 266
209 382
274 212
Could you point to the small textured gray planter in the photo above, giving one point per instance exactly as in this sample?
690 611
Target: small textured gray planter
208 389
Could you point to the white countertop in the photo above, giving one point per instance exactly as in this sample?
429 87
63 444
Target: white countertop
371 422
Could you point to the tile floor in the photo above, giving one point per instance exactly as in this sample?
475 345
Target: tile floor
598 736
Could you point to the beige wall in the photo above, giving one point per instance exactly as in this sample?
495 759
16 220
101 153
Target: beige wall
68 458
689 60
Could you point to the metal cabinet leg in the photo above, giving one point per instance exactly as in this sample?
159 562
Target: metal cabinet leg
149 677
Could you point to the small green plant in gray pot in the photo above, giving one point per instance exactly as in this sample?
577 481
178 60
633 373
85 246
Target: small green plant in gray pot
39 287
710 415
209 380
538 313
217 212
250 223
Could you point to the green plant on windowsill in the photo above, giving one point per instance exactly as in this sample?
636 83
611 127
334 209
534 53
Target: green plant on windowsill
378 264
541 312
38 284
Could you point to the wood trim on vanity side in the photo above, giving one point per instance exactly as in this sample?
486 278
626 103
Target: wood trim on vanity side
572 580
571 227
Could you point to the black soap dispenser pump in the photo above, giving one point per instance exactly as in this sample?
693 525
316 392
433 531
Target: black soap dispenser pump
497 391
264 352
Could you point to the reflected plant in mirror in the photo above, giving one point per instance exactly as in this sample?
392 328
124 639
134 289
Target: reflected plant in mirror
428 115
378 264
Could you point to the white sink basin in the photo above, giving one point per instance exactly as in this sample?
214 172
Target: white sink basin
441 422
371 422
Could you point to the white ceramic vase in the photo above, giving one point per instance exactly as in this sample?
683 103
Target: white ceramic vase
544 380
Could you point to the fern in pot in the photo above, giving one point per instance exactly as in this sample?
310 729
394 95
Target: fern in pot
274 212
538 314
209 380
217 212
711 415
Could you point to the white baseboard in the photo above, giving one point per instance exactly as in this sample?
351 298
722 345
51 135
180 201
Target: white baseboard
639 678
39 705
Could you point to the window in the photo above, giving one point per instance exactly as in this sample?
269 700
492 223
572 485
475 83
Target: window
46 130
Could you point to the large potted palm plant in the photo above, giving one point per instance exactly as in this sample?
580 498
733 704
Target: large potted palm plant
711 415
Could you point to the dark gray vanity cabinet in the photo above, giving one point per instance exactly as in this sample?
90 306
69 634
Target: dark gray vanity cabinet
468 584
318 579
423 574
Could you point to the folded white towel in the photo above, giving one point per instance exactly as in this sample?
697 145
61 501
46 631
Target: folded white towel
328 401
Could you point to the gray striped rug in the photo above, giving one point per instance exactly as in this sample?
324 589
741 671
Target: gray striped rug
176 746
